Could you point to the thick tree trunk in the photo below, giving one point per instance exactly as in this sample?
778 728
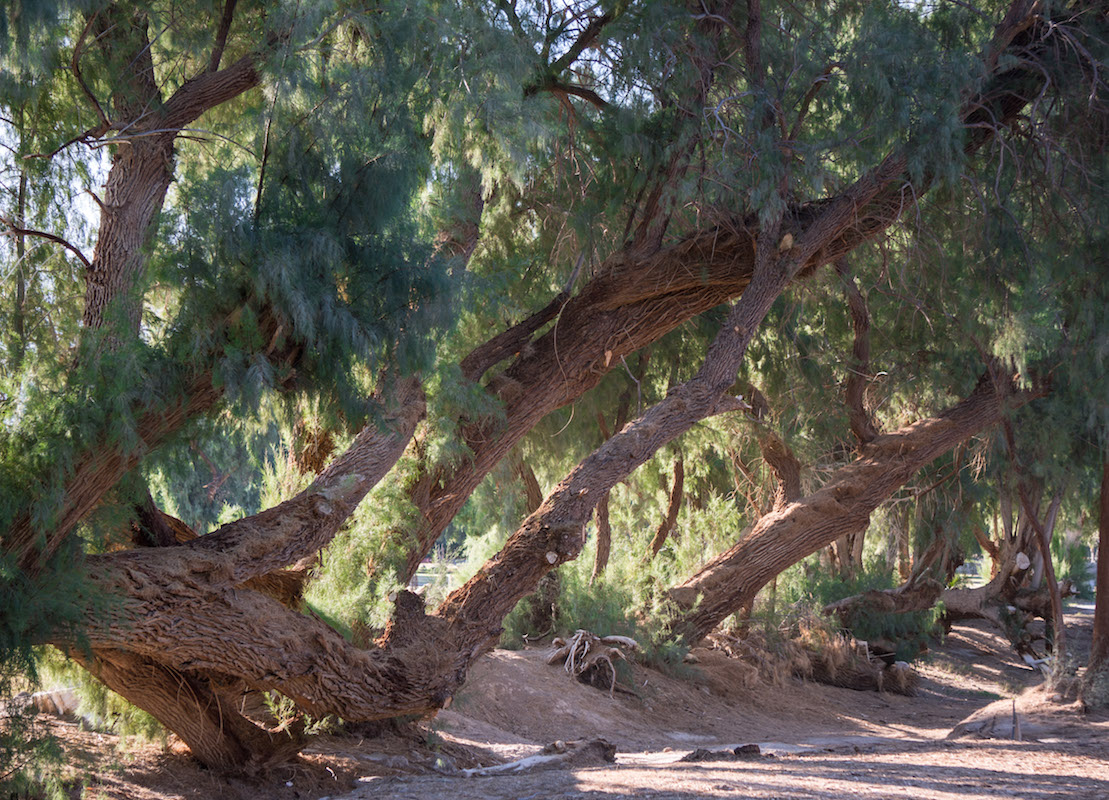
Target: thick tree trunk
141 172
192 707
1099 649
785 536
554 534
195 611
187 625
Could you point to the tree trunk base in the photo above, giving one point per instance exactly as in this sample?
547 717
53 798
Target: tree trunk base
200 712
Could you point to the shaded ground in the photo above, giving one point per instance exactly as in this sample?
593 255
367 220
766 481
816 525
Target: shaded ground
817 741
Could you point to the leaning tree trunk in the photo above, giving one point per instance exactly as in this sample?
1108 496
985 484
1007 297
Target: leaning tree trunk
783 537
203 717
1095 689
554 534
1043 539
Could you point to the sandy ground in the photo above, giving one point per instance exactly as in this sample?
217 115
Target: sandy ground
816 741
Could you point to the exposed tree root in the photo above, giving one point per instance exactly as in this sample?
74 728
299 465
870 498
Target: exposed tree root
590 658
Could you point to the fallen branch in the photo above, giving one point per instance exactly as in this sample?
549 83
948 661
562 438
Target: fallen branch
587 752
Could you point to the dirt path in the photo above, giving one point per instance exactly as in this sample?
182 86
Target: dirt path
971 771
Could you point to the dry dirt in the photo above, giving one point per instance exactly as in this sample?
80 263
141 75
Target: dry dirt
816 741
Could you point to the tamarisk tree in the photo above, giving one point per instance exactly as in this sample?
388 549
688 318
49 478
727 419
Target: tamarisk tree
290 204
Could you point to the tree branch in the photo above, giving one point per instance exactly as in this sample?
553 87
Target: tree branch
189 628
301 526
75 68
585 39
672 510
781 538
510 342
208 90
221 35
858 369
15 230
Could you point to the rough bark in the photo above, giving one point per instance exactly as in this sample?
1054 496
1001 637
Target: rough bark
193 708
992 600
1099 649
783 537
142 168
143 162
554 534
182 606
604 539
784 464
223 590
295 529
190 626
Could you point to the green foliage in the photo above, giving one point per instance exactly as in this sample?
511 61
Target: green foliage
30 759
1072 562
359 569
909 633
